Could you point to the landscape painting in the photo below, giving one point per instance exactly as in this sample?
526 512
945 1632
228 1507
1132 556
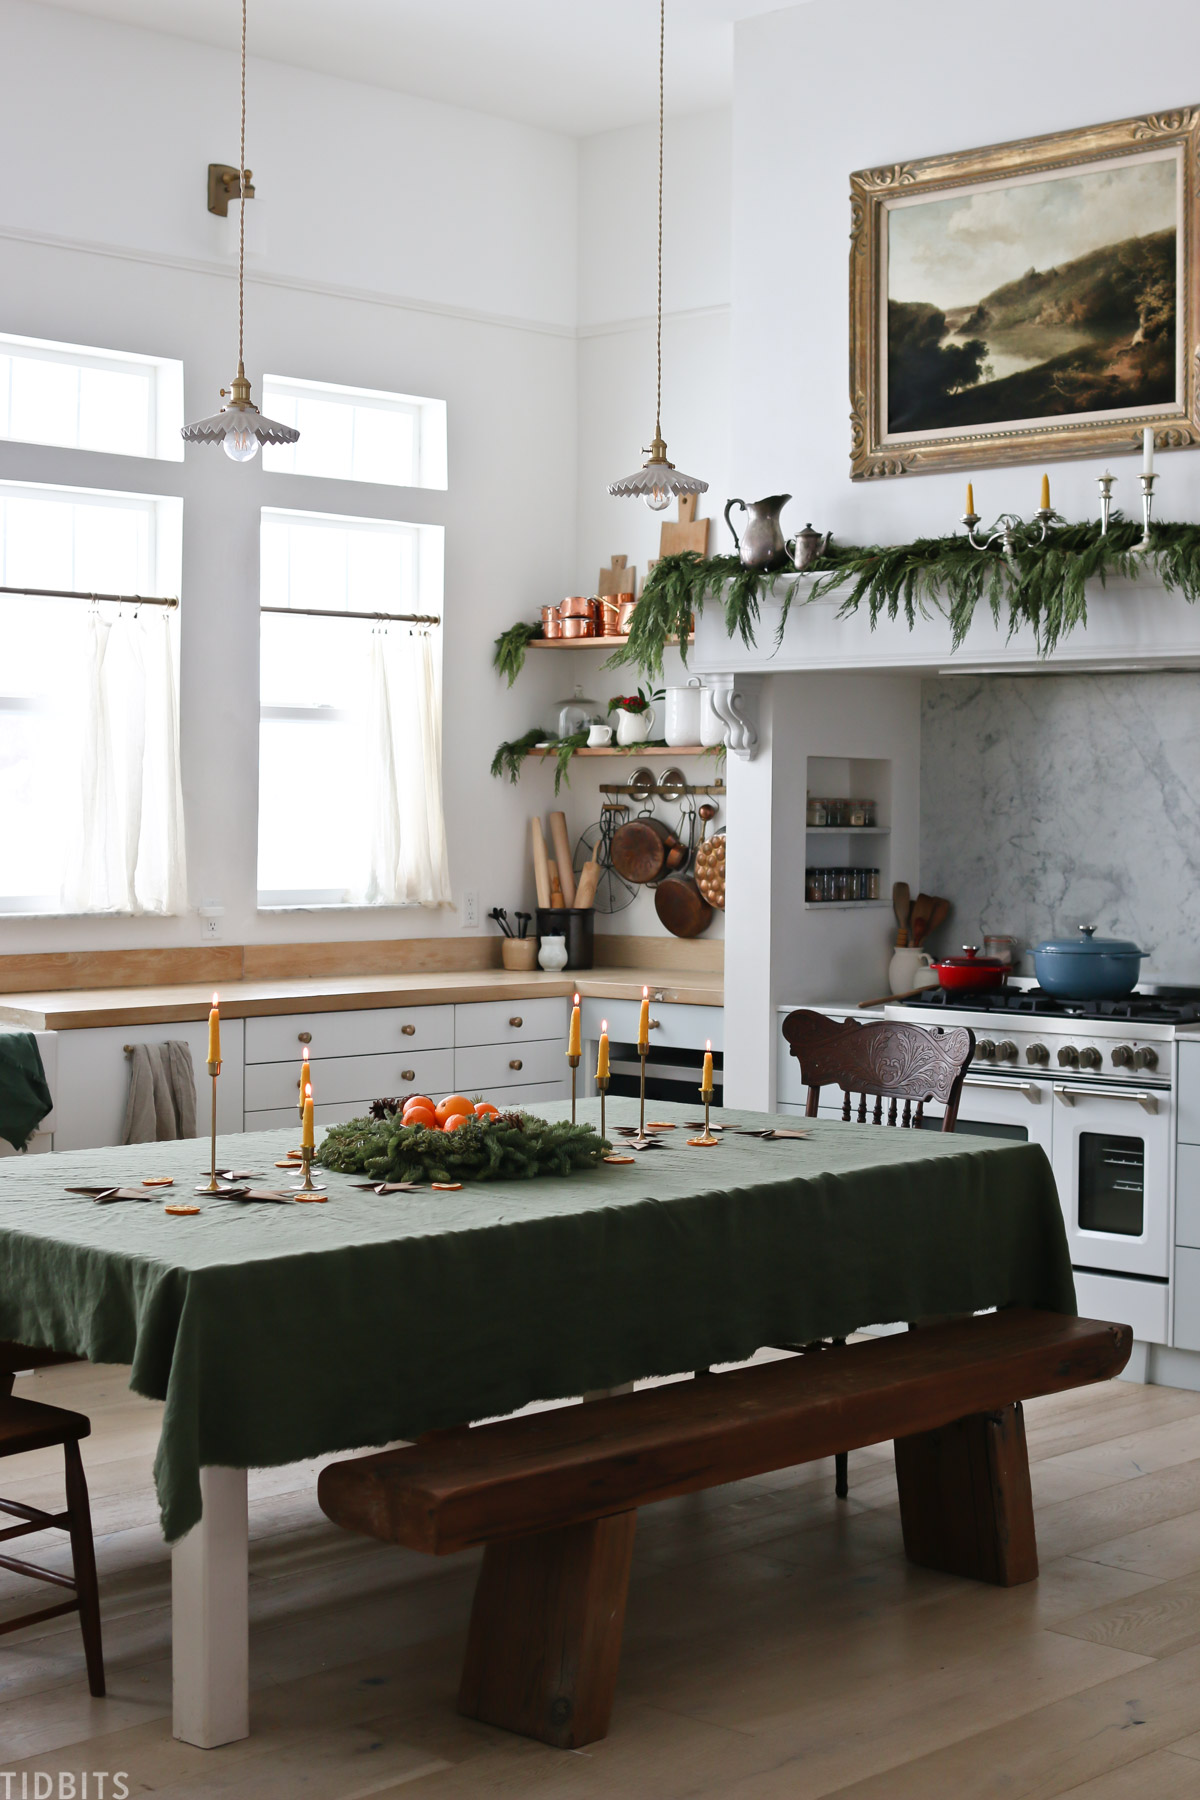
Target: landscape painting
1035 299
1027 301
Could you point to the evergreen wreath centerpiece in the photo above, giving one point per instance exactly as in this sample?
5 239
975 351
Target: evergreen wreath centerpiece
504 1147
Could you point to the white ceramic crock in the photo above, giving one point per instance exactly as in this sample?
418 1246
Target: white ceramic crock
552 952
682 724
910 969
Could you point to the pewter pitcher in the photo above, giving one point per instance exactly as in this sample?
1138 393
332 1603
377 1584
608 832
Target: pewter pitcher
761 544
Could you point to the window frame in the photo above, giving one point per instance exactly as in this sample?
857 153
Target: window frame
429 429
166 393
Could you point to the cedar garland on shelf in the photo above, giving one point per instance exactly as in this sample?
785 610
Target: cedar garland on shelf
511 646
510 1146
509 757
1042 586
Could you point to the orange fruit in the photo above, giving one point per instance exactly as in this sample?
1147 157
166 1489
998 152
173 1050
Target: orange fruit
485 1110
419 1115
456 1121
417 1100
450 1106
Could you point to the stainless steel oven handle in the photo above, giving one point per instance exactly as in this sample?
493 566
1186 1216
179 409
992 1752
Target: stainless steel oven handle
1030 1089
1069 1095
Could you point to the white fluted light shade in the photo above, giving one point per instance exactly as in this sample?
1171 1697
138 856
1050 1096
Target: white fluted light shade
657 481
239 427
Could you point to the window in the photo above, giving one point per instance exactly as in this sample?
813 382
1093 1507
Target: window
83 399
80 539
318 778
356 434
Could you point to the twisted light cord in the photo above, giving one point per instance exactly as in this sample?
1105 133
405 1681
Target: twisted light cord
242 209
662 28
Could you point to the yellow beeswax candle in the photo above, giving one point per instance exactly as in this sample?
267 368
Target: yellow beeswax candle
970 500
214 1032
644 1021
306 1133
707 1080
602 1053
574 1044
1045 493
305 1078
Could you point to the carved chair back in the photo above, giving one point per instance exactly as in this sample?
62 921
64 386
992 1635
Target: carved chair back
887 1060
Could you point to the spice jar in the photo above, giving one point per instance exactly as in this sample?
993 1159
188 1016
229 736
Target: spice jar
858 813
816 815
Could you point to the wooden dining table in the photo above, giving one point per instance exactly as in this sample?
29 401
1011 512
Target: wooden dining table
275 1332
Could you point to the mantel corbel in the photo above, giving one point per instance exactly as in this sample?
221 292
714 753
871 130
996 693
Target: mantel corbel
735 699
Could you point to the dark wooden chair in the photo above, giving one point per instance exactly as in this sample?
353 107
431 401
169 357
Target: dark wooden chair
30 1425
888 1061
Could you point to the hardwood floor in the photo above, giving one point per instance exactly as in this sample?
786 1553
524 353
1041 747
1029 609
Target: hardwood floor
777 1644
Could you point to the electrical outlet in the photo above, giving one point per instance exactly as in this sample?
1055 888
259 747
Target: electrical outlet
470 909
211 915
212 930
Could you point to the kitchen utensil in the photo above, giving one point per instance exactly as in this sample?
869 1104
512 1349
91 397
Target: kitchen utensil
501 917
617 579
635 728
889 999
577 927
681 907
1087 967
672 784
643 783
808 546
519 953
640 848
589 880
523 920
610 613
552 951
686 533
577 606
613 892
682 704
562 855
761 544
970 973
625 606
556 892
541 864
918 922
551 622
901 906
712 726
599 736
577 627
910 970
710 869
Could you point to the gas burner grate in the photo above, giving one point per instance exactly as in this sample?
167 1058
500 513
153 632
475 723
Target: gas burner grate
1171 1007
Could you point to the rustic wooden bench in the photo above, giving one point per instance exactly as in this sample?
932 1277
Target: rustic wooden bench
553 1495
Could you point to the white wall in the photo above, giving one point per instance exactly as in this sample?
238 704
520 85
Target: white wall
822 90
408 245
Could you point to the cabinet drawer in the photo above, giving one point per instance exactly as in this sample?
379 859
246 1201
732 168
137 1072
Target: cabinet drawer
284 1118
337 1079
1187 1196
349 1033
529 1095
1187 1300
510 1021
678 1027
1139 1304
481 1067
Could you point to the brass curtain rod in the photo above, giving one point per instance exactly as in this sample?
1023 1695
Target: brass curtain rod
332 612
74 594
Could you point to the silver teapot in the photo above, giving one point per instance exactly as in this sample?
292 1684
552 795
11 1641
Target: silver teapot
808 546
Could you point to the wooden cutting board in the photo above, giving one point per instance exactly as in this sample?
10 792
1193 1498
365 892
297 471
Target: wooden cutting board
685 533
619 579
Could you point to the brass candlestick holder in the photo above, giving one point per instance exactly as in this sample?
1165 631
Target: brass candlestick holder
306 1186
574 1062
602 1082
706 1140
641 1141
212 1185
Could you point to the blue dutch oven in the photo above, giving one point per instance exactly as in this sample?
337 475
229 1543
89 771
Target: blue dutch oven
1087 967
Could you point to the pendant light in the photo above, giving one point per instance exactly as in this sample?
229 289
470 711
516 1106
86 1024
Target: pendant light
239 427
658 479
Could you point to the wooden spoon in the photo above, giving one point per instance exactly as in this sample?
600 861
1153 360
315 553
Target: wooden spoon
922 912
901 904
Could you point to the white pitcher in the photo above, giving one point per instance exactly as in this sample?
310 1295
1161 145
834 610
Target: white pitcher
683 713
910 969
634 728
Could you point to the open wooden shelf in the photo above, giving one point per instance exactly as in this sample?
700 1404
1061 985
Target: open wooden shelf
583 643
641 750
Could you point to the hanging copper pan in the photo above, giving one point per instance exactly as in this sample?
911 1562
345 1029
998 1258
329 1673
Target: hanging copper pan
645 850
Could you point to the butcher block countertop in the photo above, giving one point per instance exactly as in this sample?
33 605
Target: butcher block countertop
76 1009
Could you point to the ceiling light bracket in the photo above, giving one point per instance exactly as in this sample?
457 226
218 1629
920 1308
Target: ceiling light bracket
224 185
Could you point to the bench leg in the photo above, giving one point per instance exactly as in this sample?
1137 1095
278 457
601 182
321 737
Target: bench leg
965 1500
545 1637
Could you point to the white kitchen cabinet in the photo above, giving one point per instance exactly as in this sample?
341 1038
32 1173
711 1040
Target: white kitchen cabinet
93 1079
480 1068
509 1021
370 1031
672 1026
1187 1195
1187 1113
512 1051
1187 1300
339 1078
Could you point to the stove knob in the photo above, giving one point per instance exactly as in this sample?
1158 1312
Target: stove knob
1037 1053
1068 1057
1145 1059
1090 1057
985 1050
1122 1057
1007 1051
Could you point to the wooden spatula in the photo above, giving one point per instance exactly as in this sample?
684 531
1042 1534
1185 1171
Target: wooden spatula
922 912
901 905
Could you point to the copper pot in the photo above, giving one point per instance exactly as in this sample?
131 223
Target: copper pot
551 622
578 606
573 627
645 849
626 604
610 614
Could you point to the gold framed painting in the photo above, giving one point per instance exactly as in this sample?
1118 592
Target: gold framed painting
1028 301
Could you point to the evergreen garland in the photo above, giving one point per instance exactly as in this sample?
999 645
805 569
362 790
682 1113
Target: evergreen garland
511 646
509 758
510 1146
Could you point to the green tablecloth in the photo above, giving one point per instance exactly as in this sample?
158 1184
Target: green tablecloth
275 1333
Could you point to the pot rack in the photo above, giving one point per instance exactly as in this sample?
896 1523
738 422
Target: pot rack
676 792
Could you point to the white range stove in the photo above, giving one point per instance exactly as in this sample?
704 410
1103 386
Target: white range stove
1095 1084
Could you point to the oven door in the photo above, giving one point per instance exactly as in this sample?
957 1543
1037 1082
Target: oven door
1112 1165
1006 1107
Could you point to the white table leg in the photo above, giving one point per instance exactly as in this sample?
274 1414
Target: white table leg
210 1631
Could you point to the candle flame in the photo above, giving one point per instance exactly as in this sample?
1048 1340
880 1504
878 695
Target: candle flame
215 998
308 1090
604 1027
708 1044
645 993
575 1002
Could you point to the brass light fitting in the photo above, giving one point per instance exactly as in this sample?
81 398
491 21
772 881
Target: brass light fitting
224 185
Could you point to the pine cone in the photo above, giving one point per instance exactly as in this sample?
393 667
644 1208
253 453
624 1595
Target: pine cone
515 1120
384 1109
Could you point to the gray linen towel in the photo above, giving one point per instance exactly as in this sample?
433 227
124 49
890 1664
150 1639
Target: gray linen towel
162 1094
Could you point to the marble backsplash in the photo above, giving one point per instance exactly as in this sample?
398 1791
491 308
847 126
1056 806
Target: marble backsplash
1051 801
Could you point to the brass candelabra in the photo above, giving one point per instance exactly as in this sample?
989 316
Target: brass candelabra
212 1185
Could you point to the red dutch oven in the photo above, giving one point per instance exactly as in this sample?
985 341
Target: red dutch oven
970 973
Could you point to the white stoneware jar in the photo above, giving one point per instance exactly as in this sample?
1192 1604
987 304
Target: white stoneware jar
910 969
682 724
552 952
634 728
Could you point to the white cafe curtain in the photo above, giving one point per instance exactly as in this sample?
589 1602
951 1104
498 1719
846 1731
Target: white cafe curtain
408 862
129 800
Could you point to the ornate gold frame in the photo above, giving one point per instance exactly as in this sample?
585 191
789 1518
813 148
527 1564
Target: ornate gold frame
1176 428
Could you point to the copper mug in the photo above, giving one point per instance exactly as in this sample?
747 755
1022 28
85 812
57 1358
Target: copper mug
551 622
626 604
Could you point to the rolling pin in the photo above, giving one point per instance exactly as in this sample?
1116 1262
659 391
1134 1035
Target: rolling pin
541 865
556 893
589 880
562 856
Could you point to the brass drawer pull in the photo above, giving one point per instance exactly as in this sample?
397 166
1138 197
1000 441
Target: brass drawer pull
304 1037
517 1022
654 1024
407 1030
516 1063
408 1074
